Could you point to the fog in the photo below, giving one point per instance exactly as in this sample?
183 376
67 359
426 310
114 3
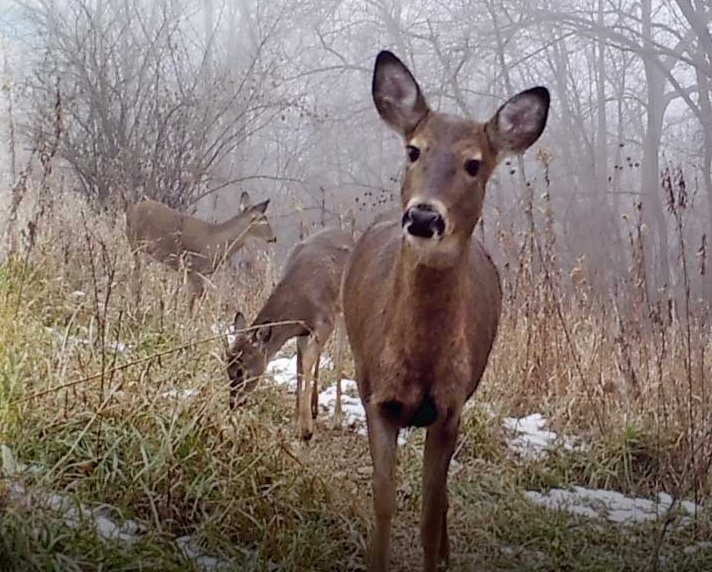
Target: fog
192 103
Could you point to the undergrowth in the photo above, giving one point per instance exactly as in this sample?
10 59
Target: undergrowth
118 403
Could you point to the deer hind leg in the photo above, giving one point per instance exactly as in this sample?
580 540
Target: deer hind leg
315 388
338 419
439 447
196 287
308 350
136 278
382 437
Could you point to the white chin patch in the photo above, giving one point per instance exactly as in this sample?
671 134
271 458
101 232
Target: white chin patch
420 243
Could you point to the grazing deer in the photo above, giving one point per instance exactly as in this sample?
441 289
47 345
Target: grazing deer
305 304
174 238
422 297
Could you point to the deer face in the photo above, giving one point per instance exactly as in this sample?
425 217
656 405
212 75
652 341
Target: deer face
245 358
259 225
449 159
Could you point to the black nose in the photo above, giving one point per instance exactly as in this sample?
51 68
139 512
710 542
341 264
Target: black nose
423 221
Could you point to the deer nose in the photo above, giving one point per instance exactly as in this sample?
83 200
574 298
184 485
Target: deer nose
423 221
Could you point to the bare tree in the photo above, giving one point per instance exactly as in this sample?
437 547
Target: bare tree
147 111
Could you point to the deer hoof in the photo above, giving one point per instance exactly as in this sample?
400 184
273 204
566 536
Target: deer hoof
337 421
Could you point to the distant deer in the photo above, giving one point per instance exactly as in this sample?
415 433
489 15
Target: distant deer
422 297
177 239
305 304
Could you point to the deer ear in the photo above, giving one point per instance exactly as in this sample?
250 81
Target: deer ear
519 122
261 207
263 334
245 201
239 323
396 94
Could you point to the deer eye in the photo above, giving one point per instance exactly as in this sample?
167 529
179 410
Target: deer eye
413 153
472 166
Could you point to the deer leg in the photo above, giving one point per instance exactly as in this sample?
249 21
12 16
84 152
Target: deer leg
315 388
439 447
308 347
382 436
136 279
196 287
300 375
338 419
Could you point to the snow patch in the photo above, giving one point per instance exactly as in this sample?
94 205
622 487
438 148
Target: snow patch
611 505
76 515
284 371
180 394
192 551
74 341
533 439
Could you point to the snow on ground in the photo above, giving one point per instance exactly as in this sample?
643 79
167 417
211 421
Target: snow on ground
284 372
74 341
180 394
532 439
611 505
191 551
76 514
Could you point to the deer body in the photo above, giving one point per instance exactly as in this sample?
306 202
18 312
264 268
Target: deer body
304 304
176 239
395 297
422 297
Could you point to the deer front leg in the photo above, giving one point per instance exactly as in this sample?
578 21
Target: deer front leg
307 353
382 436
300 376
439 448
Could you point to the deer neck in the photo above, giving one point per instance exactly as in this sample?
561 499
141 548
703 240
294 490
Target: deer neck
231 234
285 324
280 335
428 301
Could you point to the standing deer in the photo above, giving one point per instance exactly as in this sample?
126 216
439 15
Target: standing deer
305 304
422 297
174 238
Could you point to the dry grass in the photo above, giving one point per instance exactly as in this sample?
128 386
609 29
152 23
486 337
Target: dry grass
99 426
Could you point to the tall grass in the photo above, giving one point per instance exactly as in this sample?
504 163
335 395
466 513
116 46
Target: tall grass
90 394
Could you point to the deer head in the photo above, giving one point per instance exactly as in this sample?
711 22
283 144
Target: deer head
449 159
258 222
246 358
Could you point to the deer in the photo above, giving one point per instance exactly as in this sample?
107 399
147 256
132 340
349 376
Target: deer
176 239
306 304
421 295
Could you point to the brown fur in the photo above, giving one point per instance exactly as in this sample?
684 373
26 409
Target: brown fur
176 239
304 304
422 313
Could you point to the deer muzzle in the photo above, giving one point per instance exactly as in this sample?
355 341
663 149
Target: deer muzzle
423 220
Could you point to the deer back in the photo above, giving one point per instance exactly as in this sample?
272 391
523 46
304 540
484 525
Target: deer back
305 300
157 228
309 286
